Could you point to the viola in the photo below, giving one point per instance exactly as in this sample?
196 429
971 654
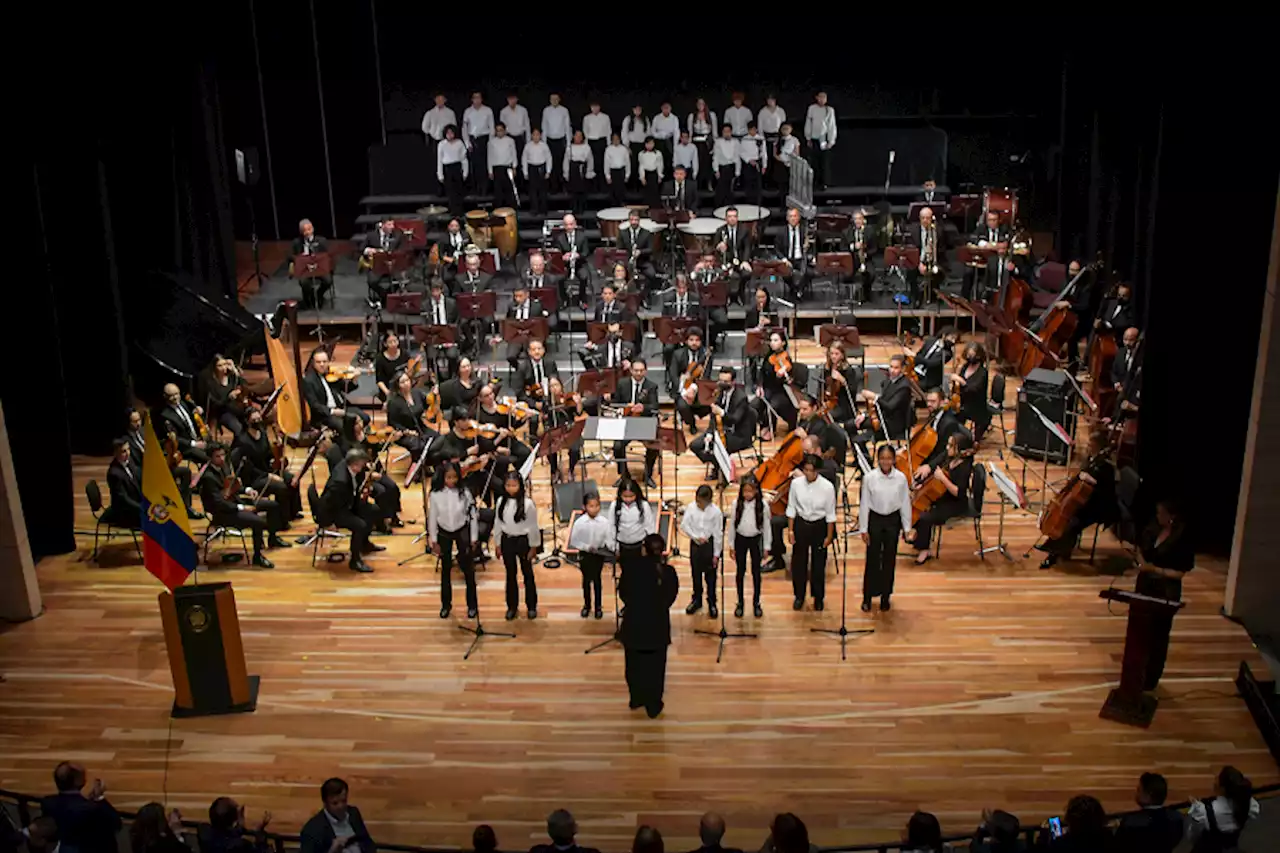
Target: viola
474 429
344 374
172 452
781 364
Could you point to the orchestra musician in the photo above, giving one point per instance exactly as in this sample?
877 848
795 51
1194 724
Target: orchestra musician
683 189
638 396
138 447
389 361
971 383
683 302
1099 508
308 242
731 414
383 490
760 315
690 357
651 169
327 400
442 310
533 378
637 242
929 192
861 239
610 309
478 452
954 471
933 355
453 167
562 410
580 170
832 441
347 509
777 408
811 528
991 234
684 155
1117 311
820 131
406 410
796 253
1126 376
451 250
253 449
178 417
617 169
471 279
897 413
945 424
885 506
572 243
733 245
726 165
487 412
846 382
240 509
503 159
536 164
227 393
1083 304
477 127
537 276
612 352
384 239
932 268
523 307
461 390
124 482
453 522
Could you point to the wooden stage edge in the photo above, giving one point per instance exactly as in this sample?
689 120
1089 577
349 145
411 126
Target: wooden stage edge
980 688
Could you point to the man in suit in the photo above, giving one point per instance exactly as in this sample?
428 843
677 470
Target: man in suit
633 239
1155 829
442 310
124 482
524 308
682 190
683 302
711 831
537 275
384 239
610 309
533 379
692 354
732 410
991 234
929 193
733 246
897 411
638 395
451 248
945 424
931 240
344 508
226 831
562 830
1126 375
259 516
138 446
86 823
1116 313
178 417
327 400
338 827
861 238
572 243
1083 303
470 279
308 242
932 357
612 352
792 245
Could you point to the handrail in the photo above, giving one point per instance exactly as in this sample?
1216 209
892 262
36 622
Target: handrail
278 840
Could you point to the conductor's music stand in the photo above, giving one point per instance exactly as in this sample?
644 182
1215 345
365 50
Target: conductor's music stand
477 309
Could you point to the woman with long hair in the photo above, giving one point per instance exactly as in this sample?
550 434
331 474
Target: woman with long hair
954 474
462 389
389 361
635 130
702 127
750 537
154 831
648 587
516 536
1216 825
971 384
452 522
405 409
633 518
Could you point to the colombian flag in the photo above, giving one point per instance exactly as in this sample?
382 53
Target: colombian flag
168 552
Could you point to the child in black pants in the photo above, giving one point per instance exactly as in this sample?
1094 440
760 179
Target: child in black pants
592 536
750 536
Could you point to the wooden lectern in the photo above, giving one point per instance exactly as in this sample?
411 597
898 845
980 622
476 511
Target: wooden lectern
1148 621
206 658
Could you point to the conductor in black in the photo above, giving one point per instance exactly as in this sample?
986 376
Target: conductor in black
648 587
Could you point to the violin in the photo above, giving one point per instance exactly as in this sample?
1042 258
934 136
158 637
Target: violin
278 460
197 418
513 408
231 484
172 452
474 429
431 414
345 374
781 364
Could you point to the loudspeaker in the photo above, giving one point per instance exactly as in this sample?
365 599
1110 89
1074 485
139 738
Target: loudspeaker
1048 391
247 166
569 497
206 657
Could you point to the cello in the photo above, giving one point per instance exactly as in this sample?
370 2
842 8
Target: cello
774 474
1056 518
930 491
1054 327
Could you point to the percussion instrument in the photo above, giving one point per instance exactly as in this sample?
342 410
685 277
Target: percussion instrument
659 232
434 212
506 237
1002 200
611 219
697 234
478 228
750 216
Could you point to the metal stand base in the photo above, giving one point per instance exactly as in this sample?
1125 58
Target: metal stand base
480 633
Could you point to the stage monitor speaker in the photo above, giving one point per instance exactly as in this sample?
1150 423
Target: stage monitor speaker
247 166
569 497
1048 391
206 658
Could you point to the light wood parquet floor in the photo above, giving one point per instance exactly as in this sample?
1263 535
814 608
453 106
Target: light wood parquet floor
980 688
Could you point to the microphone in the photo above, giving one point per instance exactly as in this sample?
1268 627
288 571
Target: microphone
892 155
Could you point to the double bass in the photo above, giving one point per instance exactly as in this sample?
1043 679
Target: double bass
1013 300
1054 328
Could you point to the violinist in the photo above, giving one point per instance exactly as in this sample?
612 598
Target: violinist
489 412
944 424
342 502
971 384
227 393
533 378
638 396
1167 555
383 490
561 410
389 361
1100 507
442 310
524 308
138 446
841 385
460 445
777 408
691 362
327 400
462 389
124 481
257 469
933 354
954 472
811 528
885 506
180 418
406 413
681 303
897 413
613 352
731 414
239 509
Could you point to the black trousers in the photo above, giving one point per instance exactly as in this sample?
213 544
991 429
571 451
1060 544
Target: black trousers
820 161
748 549
359 522
882 553
538 190
591 566
702 565
244 521
945 507
724 185
618 186
799 281
652 188
620 451
689 412
478 154
232 422
504 191
575 454
916 283
579 185
515 550
597 147
558 145
780 403
454 188
646 676
447 539
287 498
1166 588
809 563
778 525
780 176
752 181
314 290
706 175
701 446
386 495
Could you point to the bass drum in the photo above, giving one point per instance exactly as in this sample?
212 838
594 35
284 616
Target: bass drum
475 228
610 220
506 237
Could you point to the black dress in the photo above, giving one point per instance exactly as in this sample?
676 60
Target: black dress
453 393
385 370
1174 554
407 415
973 400
648 589
947 506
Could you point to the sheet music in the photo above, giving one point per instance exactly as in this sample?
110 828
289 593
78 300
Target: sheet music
611 429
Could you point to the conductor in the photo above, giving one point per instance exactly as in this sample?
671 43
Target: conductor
648 587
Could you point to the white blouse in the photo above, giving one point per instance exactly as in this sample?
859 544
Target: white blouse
505 524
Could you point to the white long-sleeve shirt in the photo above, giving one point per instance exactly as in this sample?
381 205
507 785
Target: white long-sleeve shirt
597 126
516 119
738 118
651 161
820 124
502 152
505 524
702 127
435 120
814 501
593 534
752 150
448 152
634 130
770 121
665 127
631 529
617 157
884 494
476 121
748 528
450 510
556 123
581 154
706 523
687 156
788 145
725 153
537 155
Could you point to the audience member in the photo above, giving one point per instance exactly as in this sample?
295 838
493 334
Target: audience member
711 830
562 829
1217 824
1155 829
648 840
922 835
1085 829
225 831
153 831
87 823
1000 832
484 839
338 827
788 834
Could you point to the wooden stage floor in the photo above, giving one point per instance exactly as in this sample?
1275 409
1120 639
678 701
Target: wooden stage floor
980 688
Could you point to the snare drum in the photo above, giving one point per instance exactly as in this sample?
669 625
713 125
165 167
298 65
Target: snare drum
748 216
659 232
697 234
506 237
611 219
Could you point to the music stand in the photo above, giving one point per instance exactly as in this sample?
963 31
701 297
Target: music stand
552 442
597 332
939 209
847 336
839 265
430 337
770 269
307 267
670 439
1010 494
390 264
605 256
521 332
597 383
674 330
403 305
478 309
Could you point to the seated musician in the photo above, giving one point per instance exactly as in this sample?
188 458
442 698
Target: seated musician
572 243
731 412
327 400
612 352
971 384
476 453
344 508
861 239
931 240
638 396
832 440
897 413
561 409
487 412
776 410
441 309
384 239
227 393
257 467
471 279
682 189
846 386
178 417
619 277
945 424
1100 507
138 447
1126 378
610 309
991 233
242 509
761 314
954 471
1083 304
390 360
461 389
308 242
733 247
682 302
929 192
705 271
124 482
1116 313
451 250
384 491
690 358
406 410
794 251
537 275
933 355
523 307
637 242
533 377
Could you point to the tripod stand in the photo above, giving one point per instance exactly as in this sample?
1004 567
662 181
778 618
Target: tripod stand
723 633
843 631
480 633
616 637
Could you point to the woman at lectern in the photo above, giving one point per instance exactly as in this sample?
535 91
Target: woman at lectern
1167 555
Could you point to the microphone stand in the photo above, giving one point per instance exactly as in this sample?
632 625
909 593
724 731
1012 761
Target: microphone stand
616 636
478 631
723 633
843 632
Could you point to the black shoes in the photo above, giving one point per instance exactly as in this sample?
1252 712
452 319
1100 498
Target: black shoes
818 605
650 483
713 611
511 614
694 607
737 611
884 602
277 542
759 611
586 610
445 611
866 605
371 548
599 614
654 710
357 565
798 604
262 562
533 613
471 612
1049 562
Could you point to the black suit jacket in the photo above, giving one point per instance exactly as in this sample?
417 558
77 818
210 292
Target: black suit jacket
693 306
939 197
1116 316
447 249
626 352
549 279
917 239
680 362
450 311
868 240
982 232
169 416
577 244
313 392
619 314
1120 373
948 425
535 310
898 410
319 245
462 282
1150 831
126 493
648 589
739 249
932 357
739 420
83 824
373 240
647 396
782 244
317 834
211 498
138 446
524 377
340 493
853 381
644 240
689 199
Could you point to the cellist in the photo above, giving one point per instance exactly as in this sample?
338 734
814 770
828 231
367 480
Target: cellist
1100 508
897 413
954 473
1083 303
945 424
